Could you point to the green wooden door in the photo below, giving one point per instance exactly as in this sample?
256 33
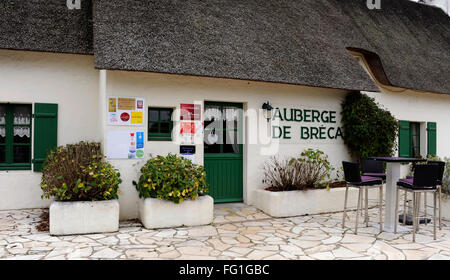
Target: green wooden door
223 151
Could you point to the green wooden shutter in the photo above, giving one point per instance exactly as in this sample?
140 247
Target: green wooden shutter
45 132
404 140
431 138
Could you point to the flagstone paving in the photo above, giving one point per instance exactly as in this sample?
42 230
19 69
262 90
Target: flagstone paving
238 232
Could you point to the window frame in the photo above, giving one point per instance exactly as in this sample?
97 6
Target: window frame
9 144
159 136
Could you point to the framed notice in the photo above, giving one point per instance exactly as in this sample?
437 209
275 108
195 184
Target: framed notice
125 110
125 144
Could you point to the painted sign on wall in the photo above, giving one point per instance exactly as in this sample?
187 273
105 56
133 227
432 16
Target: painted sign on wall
312 124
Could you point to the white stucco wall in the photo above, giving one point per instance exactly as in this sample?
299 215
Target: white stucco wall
73 83
68 80
171 90
423 108
162 90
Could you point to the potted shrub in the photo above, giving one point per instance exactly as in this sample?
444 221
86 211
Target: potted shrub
85 188
173 193
301 186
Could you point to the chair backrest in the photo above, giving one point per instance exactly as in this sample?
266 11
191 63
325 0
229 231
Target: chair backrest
441 165
425 175
351 171
372 166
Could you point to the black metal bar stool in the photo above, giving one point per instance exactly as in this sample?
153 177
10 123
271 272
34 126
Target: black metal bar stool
372 168
363 183
424 181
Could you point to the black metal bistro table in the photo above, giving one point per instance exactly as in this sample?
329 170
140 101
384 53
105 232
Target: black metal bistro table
392 176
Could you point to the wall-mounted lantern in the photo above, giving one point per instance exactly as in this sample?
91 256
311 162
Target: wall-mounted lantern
267 110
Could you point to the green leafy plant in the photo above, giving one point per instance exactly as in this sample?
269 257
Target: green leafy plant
171 178
369 130
76 172
311 170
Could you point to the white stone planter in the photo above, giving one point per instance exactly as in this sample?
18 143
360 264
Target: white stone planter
296 203
155 213
82 217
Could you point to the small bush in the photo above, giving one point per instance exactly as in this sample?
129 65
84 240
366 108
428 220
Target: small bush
317 168
311 170
283 174
171 178
76 172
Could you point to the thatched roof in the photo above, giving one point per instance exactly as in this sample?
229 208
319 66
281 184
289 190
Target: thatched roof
288 41
302 42
46 25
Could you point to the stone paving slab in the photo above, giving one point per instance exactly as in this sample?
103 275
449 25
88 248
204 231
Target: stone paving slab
238 232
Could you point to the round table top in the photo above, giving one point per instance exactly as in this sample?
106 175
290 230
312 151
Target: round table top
397 159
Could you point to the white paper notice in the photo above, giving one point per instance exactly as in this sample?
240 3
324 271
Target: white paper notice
124 144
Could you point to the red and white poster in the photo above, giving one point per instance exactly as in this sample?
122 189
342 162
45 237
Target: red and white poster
190 112
187 132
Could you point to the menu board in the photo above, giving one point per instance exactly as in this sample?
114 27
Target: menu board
125 144
125 110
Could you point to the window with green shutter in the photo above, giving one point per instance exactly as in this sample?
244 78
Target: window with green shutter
160 124
15 136
431 138
409 139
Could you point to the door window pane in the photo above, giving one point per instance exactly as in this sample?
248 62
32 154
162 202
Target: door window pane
222 125
2 134
21 154
231 142
213 113
2 154
2 114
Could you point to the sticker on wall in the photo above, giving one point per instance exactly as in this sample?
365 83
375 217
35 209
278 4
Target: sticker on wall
190 112
125 144
125 110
